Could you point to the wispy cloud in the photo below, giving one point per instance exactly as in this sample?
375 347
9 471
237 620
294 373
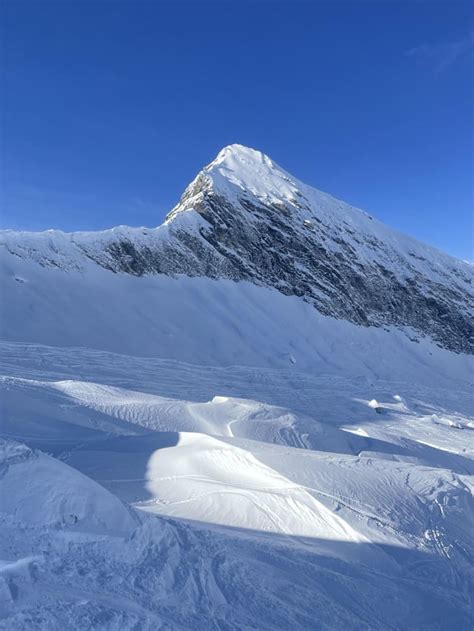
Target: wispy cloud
443 55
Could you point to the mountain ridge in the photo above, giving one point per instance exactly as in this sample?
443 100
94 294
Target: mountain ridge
244 218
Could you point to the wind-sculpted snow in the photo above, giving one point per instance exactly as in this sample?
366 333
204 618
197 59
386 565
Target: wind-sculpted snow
31 495
351 507
245 218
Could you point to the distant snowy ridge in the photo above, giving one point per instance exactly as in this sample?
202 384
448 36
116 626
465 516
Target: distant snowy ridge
245 218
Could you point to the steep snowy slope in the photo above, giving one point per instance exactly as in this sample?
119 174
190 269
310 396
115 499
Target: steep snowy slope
245 218
206 322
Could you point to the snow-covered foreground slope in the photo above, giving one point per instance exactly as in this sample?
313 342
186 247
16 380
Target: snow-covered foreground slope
256 416
327 512
166 574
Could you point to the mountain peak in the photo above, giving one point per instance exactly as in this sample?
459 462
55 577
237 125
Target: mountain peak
243 154
239 171
243 178
236 173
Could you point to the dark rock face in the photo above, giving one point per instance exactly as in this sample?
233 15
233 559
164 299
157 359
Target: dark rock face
318 262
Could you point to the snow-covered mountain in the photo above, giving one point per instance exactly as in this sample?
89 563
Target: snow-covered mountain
255 416
244 218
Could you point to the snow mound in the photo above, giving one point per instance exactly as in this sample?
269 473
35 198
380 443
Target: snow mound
205 479
40 491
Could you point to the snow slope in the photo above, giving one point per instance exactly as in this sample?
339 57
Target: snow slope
290 514
169 574
77 502
206 322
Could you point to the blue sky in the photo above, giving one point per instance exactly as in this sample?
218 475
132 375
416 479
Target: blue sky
110 108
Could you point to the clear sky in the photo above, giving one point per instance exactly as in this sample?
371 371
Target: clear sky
110 108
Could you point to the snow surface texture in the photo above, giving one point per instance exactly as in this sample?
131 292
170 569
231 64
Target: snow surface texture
197 453
330 513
